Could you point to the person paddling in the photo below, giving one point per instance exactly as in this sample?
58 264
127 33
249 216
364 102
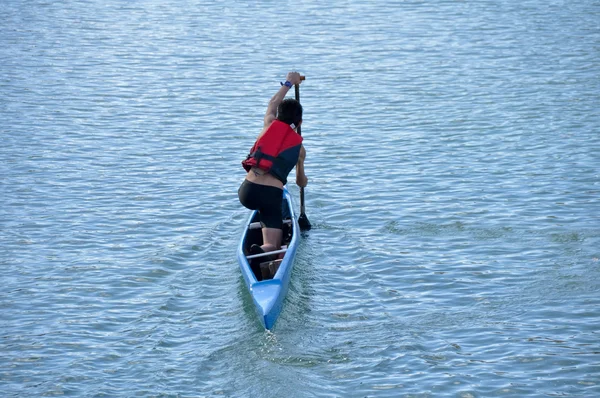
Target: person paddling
276 151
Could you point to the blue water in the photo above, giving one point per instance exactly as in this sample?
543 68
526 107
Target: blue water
454 165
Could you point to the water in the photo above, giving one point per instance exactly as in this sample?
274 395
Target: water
453 157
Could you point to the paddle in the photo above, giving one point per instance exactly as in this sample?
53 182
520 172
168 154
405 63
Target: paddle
302 220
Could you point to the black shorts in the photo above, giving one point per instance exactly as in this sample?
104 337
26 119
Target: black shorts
264 198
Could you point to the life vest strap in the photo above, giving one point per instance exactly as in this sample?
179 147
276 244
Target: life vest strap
259 155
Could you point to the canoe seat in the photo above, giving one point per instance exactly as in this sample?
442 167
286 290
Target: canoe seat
256 225
282 250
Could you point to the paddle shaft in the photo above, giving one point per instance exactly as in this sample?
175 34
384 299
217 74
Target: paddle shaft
297 92
302 220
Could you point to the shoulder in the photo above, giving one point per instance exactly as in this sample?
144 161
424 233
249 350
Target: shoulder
269 119
264 129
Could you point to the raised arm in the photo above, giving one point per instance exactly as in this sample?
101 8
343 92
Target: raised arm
271 114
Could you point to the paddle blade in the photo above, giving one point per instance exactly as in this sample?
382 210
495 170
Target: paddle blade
304 223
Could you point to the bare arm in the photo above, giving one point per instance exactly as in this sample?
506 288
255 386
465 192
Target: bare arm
271 114
301 178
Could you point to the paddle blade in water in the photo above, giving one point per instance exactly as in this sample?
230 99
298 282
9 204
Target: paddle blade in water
304 223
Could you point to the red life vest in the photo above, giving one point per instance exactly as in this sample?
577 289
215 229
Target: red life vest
276 151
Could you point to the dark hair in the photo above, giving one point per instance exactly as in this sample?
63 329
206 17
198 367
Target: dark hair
290 111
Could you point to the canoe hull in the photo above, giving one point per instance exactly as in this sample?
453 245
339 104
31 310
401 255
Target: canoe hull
268 295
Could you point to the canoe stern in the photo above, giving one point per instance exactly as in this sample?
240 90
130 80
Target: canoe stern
268 299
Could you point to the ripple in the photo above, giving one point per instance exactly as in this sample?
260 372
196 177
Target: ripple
452 156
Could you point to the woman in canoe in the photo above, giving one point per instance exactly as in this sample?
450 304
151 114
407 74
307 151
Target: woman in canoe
277 150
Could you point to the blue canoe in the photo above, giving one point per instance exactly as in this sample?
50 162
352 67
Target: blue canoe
268 290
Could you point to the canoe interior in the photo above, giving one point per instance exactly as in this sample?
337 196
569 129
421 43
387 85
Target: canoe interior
254 236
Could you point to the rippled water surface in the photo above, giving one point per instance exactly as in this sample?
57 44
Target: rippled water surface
454 164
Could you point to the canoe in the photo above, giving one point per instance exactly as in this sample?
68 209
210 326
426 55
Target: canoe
268 290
